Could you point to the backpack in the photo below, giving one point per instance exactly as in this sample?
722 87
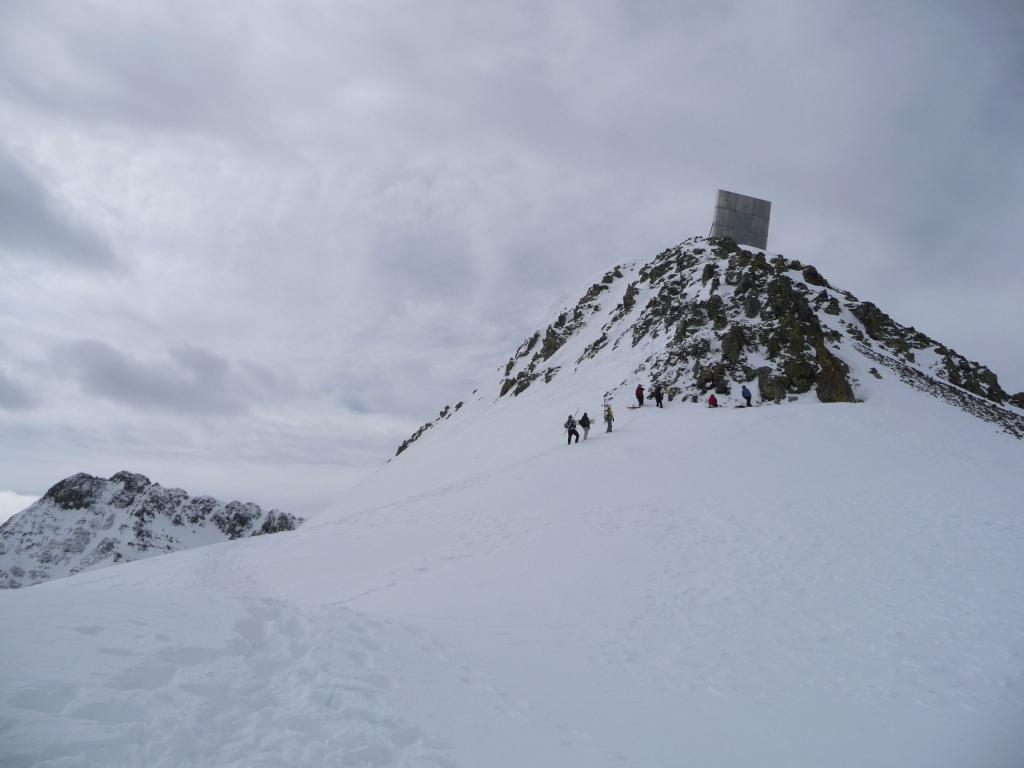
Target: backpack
585 421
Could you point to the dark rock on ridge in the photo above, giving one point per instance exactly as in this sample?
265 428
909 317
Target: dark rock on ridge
75 492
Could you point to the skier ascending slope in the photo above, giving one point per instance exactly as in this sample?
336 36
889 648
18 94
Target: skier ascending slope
746 394
712 401
570 426
609 417
640 395
585 423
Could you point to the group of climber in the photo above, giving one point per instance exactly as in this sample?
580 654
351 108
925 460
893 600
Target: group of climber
659 398
609 418
585 423
713 401
656 393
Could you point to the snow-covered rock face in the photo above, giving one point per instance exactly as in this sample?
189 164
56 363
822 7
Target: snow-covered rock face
85 522
709 315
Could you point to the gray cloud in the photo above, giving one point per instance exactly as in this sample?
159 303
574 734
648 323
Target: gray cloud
194 381
15 396
340 216
33 224
137 65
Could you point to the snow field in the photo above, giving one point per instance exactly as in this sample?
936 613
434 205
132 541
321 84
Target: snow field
230 682
796 585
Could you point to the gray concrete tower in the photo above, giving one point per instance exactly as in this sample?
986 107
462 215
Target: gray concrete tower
743 218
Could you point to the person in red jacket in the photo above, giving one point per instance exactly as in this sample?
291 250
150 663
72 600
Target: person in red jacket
640 395
712 401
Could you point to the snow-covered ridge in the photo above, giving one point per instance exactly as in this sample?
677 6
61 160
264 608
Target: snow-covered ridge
709 315
85 522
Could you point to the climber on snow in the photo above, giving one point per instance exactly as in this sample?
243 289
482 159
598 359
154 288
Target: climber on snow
640 395
658 396
746 394
570 427
609 417
712 401
585 423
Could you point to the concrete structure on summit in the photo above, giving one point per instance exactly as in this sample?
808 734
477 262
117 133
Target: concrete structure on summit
743 218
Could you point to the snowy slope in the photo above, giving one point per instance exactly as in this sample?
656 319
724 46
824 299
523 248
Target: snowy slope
85 522
796 585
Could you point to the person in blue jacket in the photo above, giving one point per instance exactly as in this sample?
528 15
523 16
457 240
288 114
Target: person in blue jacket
746 394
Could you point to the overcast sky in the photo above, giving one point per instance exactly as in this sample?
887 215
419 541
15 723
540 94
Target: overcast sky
247 247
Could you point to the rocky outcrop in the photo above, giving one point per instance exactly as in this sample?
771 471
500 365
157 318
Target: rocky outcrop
734 316
555 335
84 522
1008 421
445 413
710 315
724 308
76 492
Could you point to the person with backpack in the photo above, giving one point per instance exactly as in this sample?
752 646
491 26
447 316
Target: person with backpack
570 426
746 394
609 417
640 395
585 423
712 401
658 396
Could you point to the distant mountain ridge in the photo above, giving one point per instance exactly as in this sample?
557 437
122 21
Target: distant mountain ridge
86 522
709 315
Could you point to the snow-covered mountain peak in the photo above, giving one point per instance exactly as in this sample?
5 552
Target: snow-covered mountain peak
85 522
82 490
710 316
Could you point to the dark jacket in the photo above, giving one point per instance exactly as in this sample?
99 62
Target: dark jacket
585 421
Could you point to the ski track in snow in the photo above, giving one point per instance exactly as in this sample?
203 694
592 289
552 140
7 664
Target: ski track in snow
802 585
